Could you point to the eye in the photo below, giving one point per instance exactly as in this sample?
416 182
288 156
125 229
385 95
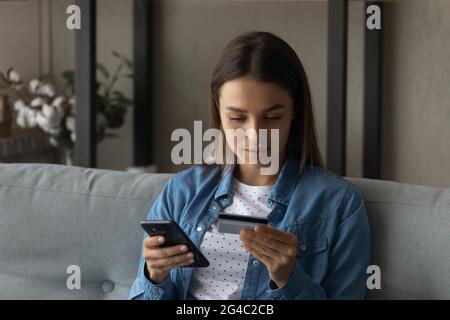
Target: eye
239 119
274 118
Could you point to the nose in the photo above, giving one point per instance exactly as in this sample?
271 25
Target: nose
253 131
254 136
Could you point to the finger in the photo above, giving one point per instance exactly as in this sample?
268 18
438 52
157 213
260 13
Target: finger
275 233
152 242
276 255
166 263
177 265
263 240
268 261
157 253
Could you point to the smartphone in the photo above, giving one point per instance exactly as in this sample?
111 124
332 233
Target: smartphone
174 235
234 223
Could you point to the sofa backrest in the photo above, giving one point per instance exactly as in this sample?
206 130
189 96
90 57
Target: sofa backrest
53 217
411 238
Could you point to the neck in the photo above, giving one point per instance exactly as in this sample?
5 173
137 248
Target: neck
251 174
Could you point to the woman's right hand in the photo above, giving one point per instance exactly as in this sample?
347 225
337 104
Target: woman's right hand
160 261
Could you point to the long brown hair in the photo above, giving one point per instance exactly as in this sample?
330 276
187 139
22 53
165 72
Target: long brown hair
266 57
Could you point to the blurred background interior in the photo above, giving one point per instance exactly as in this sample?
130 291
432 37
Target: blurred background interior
381 97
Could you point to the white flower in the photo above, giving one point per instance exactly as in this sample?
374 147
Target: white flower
34 85
42 122
60 110
21 122
37 102
72 103
55 119
53 115
70 123
58 101
55 130
46 90
13 76
31 118
19 104
48 111
53 141
21 118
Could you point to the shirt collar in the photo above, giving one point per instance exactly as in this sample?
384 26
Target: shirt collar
282 190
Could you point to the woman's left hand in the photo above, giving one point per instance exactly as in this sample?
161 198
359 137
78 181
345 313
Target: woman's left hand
275 248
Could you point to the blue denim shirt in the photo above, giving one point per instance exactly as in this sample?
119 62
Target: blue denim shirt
323 210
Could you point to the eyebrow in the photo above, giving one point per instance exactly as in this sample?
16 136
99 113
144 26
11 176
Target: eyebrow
271 108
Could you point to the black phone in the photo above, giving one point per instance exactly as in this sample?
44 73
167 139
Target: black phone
174 235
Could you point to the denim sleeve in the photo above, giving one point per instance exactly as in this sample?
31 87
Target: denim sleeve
349 258
164 208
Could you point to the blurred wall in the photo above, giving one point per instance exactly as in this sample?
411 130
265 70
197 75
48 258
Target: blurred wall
19 37
416 92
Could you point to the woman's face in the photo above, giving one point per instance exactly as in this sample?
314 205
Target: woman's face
246 104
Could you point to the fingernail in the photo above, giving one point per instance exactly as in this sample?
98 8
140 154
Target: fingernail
160 239
191 261
190 255
183 248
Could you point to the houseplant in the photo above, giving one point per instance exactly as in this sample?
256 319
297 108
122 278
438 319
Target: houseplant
40 104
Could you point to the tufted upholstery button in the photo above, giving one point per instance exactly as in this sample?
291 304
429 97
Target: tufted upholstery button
107 286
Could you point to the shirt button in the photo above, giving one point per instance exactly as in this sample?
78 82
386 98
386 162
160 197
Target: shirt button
214 207
302 247
200 228
255 262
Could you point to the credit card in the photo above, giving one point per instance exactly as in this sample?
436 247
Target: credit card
234 223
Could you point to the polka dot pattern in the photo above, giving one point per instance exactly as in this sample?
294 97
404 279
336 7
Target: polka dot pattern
224 278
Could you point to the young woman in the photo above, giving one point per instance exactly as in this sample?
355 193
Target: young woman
317 242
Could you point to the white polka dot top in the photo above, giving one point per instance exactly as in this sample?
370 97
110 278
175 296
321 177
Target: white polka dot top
224 278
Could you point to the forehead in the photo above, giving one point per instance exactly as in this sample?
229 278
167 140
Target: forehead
249 93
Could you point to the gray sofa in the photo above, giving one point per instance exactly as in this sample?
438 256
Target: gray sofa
53 216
